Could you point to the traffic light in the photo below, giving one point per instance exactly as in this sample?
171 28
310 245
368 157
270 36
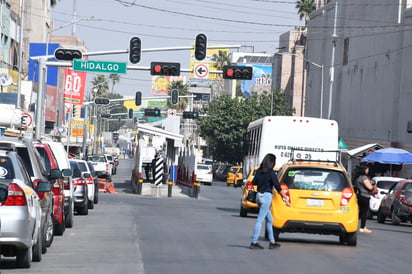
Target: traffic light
174 94
152 112
101 101
138 98
190 115
200 46
167 69
130 113
67 54
237 72
135 50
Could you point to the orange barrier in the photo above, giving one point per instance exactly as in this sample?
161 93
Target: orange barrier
102 184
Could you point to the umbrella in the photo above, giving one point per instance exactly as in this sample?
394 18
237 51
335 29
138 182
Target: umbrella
394 156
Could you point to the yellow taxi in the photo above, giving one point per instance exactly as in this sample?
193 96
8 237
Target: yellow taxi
245 205
234 176
322 201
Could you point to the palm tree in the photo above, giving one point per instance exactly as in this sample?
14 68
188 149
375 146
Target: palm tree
115 78
183 89
305 8
100 85
220 60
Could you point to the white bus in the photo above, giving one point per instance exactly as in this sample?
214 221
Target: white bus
279 134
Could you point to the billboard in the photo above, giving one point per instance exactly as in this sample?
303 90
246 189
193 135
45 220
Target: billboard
160 84
74 86
261 81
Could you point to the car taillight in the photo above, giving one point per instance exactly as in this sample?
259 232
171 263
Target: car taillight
79 182
249 185
107 167
16 196
404 200
347 194
90 181
66 184
285 187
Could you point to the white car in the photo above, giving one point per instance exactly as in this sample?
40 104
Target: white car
204 173
102 166
384 183
91 187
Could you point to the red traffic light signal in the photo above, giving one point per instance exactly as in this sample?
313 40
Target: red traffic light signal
237 72
167 69
174 94
135 50
67 54
200 46
138 98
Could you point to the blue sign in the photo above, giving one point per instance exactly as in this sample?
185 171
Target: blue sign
39 49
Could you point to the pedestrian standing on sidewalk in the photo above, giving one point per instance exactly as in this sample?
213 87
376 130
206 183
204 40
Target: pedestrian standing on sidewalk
266 179
364 189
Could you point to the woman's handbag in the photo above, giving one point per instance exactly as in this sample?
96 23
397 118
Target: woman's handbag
251 196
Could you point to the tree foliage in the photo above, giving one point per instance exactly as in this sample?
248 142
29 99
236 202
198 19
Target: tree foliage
225 126
305 8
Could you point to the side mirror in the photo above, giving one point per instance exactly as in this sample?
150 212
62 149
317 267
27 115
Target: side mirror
4 193
86 175
55 174
43 187
67 172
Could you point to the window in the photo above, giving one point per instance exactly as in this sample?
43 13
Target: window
315 179
345 51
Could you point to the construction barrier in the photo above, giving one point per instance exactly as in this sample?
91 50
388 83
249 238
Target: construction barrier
102 184
110 188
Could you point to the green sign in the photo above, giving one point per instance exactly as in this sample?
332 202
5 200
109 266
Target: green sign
99 66
342 144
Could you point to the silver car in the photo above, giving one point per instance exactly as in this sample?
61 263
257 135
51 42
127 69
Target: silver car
20 211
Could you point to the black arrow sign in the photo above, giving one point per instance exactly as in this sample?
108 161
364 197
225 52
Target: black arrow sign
201 70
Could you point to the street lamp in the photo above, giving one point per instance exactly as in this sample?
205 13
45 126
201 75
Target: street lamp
322 68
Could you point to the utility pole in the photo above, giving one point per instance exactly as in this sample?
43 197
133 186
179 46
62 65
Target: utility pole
332 66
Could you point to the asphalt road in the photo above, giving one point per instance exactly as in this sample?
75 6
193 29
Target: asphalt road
129 233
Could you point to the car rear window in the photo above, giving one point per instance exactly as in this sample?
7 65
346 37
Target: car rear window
203 167
82 166
315 179
6 168
96 159
386 184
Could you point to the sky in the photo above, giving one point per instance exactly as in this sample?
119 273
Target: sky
108 25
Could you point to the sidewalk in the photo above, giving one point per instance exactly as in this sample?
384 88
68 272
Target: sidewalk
161 191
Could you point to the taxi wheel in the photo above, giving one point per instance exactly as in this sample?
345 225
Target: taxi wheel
395 219
243 212
348 239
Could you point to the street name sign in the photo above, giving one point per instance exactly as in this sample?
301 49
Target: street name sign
99 66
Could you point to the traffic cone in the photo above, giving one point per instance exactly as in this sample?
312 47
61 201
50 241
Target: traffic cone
110 188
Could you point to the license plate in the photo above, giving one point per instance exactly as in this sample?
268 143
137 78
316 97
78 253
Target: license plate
314 202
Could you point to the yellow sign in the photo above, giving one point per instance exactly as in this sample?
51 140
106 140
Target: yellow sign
130 104
77 128
208 60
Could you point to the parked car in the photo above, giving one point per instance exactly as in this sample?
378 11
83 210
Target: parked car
50 163
20 211
397 203
90 182
63 162
234 176
81 201
322 200
101 165
35 167
96 182
204 174
383 184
